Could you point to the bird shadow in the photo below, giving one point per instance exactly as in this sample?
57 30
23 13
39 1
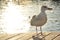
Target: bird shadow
35 37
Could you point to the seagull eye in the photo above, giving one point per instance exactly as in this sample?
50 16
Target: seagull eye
45 7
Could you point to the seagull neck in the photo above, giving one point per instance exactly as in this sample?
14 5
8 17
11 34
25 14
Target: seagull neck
43 11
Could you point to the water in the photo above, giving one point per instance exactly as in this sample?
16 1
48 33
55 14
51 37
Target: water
19 22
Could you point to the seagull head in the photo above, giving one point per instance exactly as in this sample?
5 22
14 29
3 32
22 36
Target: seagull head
43 8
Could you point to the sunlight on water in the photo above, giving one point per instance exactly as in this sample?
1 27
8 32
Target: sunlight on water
14 21
16 17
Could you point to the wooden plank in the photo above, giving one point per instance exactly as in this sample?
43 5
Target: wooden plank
28 36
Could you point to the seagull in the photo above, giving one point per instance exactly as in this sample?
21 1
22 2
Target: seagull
40 19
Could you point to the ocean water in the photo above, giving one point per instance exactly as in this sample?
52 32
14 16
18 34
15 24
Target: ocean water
16 18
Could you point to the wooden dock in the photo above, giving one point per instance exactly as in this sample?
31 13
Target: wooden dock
28 36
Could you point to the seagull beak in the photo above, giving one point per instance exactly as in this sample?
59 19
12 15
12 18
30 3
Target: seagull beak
49 8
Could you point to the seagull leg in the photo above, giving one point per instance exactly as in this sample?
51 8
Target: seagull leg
36 31
42 33
41 30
